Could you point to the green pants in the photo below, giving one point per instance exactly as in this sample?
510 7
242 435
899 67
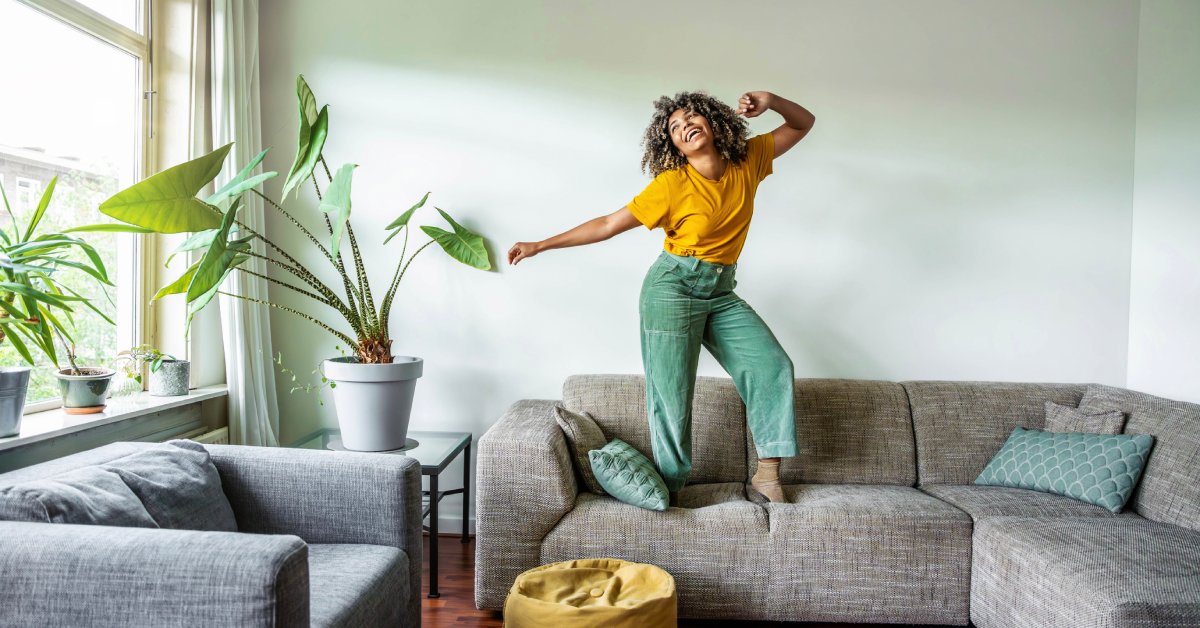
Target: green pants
687 302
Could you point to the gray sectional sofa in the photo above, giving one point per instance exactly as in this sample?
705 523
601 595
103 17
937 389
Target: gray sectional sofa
324 539
883 522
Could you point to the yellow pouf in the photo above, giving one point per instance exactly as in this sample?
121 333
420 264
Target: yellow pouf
592 592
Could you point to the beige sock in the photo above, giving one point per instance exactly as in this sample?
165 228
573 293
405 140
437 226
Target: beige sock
766 480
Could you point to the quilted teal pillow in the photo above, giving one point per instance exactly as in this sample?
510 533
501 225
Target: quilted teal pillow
628 475
1100 469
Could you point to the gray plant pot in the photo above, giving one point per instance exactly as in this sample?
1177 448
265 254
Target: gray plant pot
14 383
84 394
171 379
373 401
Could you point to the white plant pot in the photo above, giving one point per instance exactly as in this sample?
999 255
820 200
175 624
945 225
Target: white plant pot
373 401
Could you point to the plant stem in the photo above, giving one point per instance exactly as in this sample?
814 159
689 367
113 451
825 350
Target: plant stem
299 226
70 351
312 295
351 291
363 283
331 297
396 283
386 306
340 336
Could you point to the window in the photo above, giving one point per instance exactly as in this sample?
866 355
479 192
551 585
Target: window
78 113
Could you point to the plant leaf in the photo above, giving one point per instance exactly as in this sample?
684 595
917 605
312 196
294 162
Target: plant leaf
17 343
41 208
337 202
403 219
217 259
108 227
166 202
38 295
198 240
308 152
463 244
178 286
308 102
241 181
194 307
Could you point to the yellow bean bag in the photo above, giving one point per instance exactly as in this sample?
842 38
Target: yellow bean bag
592 592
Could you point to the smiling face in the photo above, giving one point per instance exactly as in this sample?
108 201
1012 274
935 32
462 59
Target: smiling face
690 132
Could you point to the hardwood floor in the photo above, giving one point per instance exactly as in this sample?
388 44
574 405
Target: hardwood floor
456 606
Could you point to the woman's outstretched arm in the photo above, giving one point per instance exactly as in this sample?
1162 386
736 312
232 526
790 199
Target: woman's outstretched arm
797 121
594 230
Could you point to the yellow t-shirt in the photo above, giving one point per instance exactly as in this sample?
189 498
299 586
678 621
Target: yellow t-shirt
705 218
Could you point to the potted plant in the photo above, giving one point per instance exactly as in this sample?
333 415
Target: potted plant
169 376
374 387
37 307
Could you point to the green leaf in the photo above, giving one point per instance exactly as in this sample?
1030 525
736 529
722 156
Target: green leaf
308 102
166 202
197 241
194 307
17 343
403 219
108 228
41 208
337 202
463 244
179 285
217 259
308 152
242 181
38 295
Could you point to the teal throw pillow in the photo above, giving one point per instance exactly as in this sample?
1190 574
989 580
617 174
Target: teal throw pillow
1100 469
628 475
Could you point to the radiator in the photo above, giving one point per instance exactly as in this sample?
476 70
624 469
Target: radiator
208 436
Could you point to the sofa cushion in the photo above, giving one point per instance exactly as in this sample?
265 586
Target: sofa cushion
1061 418
1170 486
87 495
864 553
959 426
1116 572
179 486
628 475
357 585
1100 469
583 435
848 431
716 542
618 404
1001 501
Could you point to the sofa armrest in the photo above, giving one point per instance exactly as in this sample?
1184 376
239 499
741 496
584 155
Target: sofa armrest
328 497
524 484
59 574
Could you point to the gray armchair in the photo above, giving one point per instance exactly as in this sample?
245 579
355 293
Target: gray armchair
325 539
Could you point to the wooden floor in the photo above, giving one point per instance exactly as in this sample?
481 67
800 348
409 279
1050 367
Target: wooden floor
456 606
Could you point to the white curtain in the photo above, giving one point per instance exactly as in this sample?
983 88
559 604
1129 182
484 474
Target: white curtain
245 326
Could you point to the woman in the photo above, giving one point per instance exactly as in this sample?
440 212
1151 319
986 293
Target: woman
705 173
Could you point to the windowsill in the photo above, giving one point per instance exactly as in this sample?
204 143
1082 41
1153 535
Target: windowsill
40 426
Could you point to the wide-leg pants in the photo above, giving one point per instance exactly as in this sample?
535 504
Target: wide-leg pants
686 303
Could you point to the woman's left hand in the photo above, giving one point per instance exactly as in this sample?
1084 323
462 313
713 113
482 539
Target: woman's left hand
752 104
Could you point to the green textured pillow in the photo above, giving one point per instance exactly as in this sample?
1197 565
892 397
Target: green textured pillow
1100 469
628 475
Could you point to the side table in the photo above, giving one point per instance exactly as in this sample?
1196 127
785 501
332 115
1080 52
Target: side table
435 451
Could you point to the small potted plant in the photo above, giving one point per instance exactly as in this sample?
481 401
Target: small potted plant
169 376
84 388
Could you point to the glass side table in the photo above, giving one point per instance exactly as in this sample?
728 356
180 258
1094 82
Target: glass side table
435 451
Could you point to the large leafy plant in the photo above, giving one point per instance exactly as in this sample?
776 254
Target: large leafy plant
36 306
167 203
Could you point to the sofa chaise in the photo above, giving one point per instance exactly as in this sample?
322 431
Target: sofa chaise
883 523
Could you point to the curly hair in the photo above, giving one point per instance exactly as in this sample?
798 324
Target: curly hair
730 132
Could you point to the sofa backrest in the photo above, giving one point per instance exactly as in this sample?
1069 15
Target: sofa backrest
959 426
850 431
91 457
1169 490
618 404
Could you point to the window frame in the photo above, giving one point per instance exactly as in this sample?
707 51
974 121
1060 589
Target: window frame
138 45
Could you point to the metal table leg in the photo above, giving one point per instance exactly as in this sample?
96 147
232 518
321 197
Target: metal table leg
466 492
434 498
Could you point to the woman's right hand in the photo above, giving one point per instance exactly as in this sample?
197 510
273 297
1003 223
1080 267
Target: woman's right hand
521 250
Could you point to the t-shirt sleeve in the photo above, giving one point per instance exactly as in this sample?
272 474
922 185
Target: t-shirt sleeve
761 153
653 204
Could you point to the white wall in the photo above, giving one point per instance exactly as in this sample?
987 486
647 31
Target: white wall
961 210
1164 338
